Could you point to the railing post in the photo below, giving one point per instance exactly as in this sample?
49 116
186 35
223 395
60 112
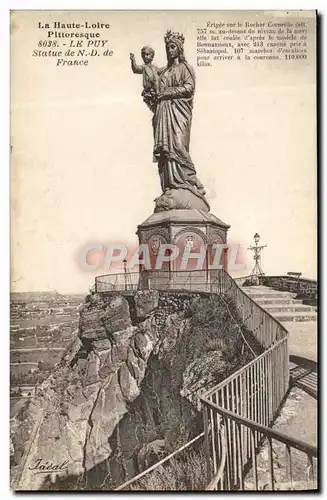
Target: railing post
228 458
270 390
310 471
288 458
254 460
271 464
213 438
240 456
206 441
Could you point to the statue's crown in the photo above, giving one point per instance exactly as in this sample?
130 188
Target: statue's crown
171 36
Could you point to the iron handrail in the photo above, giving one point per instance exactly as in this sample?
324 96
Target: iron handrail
238 326
115 274
171 274
220 472
161 462
266 431
255 303
241 370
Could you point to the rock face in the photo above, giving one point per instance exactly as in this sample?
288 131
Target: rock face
146 302
125 391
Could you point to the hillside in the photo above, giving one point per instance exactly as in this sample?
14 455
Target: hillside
129 380
42 325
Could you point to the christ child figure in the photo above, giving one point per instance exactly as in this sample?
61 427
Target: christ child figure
150 75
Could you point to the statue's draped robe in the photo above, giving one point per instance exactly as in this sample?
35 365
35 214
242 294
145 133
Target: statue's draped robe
171 125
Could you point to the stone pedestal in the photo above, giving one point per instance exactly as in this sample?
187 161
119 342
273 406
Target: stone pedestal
190 227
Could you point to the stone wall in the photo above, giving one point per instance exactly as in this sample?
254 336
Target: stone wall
302 286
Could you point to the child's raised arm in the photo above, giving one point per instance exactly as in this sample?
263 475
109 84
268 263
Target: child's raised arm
135 67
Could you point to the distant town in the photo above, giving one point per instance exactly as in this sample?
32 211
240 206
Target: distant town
42 324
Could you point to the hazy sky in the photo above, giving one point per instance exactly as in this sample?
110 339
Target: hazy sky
82 166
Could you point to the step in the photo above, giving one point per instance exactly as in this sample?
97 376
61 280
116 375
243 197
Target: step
279 300
296 316
262 288
266 292
268 295
308 383
273 308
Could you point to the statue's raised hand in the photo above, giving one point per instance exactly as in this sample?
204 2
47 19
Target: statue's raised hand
131 56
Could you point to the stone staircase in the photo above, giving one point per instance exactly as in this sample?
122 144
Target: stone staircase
282 305
298 417
301 322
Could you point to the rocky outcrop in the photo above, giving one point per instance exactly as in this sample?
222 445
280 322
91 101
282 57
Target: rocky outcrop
126 391
146 302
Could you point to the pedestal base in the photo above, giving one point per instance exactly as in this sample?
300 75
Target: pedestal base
193 228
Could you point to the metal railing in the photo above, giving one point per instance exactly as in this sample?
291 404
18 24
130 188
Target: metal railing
239 411
255 393
217 482
238 467
245 405
159 280
134 480
242 279
264 327
117 282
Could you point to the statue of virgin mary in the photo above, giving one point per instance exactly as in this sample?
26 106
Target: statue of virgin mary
172 120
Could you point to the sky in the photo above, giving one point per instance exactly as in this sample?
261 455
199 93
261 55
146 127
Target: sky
81 165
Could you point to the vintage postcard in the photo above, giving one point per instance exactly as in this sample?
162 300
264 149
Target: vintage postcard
163 329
